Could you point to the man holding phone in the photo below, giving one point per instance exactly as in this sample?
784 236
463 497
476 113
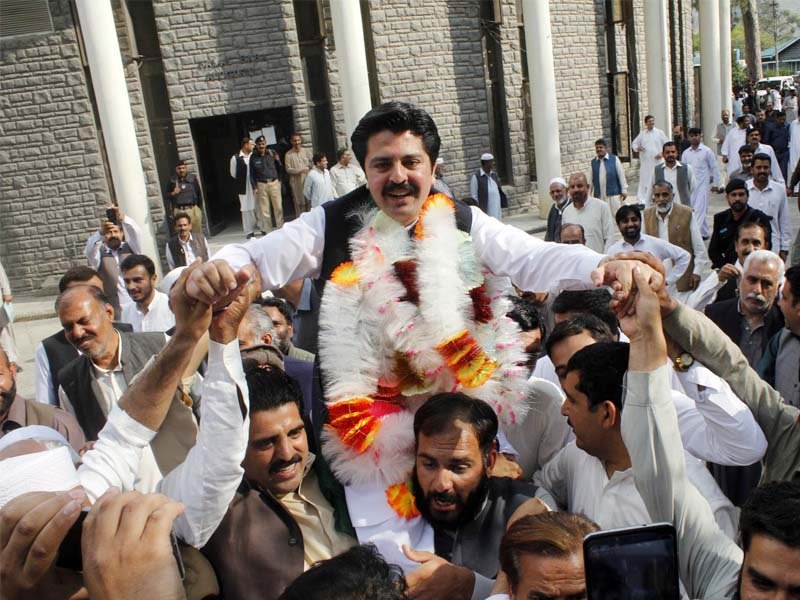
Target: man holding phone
119 236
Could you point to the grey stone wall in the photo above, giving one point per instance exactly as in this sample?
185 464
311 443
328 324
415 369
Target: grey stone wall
228 57
52 181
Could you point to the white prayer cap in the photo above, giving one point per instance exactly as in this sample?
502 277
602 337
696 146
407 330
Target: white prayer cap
440 161
487 156
169 279
558 180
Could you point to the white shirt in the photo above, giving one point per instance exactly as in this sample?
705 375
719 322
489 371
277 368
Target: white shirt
662 249
207 479
346 179
775 168
133 236
772 201
158 317
111 384
318 187
295 252
187 250
701 261
623 183
718 428
43 384
578 481
598 224
735 139
493 208
671 175
653 143
702 164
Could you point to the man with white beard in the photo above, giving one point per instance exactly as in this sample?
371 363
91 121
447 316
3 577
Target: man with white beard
648 144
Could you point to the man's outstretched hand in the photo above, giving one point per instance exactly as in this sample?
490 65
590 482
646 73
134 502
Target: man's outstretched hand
225 323
642 325
617 271
214 283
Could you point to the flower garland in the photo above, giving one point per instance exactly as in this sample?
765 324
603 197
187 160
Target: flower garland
408 317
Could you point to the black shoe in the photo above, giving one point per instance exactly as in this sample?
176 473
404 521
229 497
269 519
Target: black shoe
263 233
250 236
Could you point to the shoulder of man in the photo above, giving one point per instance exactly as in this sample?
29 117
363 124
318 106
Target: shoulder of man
147 341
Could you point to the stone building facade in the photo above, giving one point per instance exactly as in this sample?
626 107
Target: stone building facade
202 73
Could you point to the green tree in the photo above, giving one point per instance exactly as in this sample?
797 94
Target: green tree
776 20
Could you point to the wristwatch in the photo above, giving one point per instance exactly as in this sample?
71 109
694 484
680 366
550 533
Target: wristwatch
684 361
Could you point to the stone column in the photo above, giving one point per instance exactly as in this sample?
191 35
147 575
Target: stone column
710 82
539 45
658 66
351 57
113 105
725 58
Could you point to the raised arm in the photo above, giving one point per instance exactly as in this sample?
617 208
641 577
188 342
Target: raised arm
709 561
694 332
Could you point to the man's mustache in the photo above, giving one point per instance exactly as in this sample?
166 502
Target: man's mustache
282 464
403 188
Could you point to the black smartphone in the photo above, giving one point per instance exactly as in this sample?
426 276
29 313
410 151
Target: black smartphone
634 563
70 556
111 215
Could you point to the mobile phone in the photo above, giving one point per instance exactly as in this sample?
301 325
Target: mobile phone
634 563
70 556
111 215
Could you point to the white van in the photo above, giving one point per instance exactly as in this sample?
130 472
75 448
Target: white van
782 83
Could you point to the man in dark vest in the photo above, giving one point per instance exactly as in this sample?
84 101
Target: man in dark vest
398 144
456 493
184 196
558 194
289 512
94 382
486 190
678 174
607 177
54 352
117 238
186 245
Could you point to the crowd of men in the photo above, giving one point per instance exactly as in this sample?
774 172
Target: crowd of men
428 403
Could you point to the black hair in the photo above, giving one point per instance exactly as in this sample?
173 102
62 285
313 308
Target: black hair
245 139
138 260
694 131
318 156
180 163
396 117
282 305
76 275
583 322
667 144
627 209
98 295
772 510
340 152
524 314
767 233
183 215
594 302
792 277
600 141
762 156
361 573
747 149
601 368
441 410
270 388
646 117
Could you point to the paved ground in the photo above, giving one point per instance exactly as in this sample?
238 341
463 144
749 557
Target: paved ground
36 317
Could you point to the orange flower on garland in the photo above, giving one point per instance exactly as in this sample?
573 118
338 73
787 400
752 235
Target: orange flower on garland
402 501
345 274
357 420
466 359
434 201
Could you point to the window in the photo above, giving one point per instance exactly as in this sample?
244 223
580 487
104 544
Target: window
24 17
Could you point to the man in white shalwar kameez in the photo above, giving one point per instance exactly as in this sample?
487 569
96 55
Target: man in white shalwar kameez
648 144
706 176
730 147
794 145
